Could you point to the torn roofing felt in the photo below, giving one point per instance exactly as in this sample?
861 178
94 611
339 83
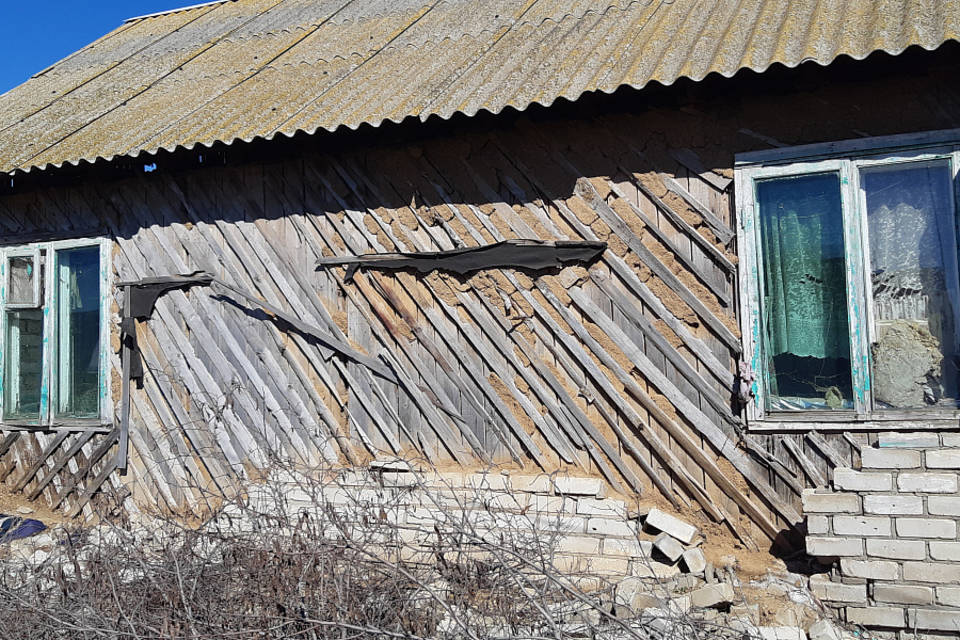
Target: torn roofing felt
534 255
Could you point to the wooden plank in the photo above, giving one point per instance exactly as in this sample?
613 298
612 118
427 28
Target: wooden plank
809 468
774 464
692 161
96 454
593 199
82 439
723 232
47 451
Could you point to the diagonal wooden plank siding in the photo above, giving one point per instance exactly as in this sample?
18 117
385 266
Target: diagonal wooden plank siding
621 370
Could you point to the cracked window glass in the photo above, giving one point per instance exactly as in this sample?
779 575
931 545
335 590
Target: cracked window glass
913 276
804 305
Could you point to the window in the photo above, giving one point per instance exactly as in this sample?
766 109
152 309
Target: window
849 278
53 343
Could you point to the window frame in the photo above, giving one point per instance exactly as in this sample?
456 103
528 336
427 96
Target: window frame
846 158
47 420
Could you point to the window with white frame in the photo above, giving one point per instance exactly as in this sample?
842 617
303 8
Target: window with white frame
54 338
849 278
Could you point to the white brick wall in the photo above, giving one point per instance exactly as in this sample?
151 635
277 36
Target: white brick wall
893 529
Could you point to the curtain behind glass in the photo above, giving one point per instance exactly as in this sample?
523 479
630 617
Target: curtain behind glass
804 308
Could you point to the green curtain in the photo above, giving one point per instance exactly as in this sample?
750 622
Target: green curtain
804 305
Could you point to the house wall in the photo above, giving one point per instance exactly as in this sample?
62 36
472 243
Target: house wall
620 371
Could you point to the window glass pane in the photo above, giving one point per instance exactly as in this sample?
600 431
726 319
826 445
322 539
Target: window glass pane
913 262
78 332
22 274
804 306
23 358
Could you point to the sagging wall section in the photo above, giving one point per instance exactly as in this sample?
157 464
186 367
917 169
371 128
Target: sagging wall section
621 370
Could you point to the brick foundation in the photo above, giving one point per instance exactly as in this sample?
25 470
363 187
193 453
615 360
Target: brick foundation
893 529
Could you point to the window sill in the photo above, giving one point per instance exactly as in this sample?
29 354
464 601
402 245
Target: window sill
94 425
841 421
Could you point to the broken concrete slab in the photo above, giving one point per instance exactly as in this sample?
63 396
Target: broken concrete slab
682 531
712 595
668 546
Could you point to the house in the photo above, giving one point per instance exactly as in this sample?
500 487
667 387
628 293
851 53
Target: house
770 334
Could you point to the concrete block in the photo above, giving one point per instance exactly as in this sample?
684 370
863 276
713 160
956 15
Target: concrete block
934 619
818 525
897 549
893 505
823 630
919 440
694 560
927 482
826 589
931 572
570 486
950 439
645 568
861 526
578 544
607 527
530 484
890 617
829 547
668 546
629 548
943 505
889 459
850 480
712 595
943 459
682 531
596 507
871 569
945 551
902 593
926 528
814 502
948 596
781 633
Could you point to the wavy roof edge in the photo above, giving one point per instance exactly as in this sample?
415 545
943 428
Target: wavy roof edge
168 12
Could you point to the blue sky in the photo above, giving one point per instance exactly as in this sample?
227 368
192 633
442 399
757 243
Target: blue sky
36 33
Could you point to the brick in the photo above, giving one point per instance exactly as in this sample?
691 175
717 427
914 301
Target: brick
928 482
569 486
890 617
607 507
814 502
943 459
578 544
861 526
667 523
823 630
606 527
630 548
781 633
897 440
950 439
893 505
926 528
530 484
825 589
872 569
931 572
889 459
668 546
818 525
712 595
902 594
827 547
945 551
934 619
694 560
943 506
850 480
897 549
949 596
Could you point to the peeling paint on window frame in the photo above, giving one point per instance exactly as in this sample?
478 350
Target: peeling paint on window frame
844 158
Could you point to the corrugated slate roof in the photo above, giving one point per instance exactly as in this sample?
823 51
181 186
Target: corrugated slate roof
246 69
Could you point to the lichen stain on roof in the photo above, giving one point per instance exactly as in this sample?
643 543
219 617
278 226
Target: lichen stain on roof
246 69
